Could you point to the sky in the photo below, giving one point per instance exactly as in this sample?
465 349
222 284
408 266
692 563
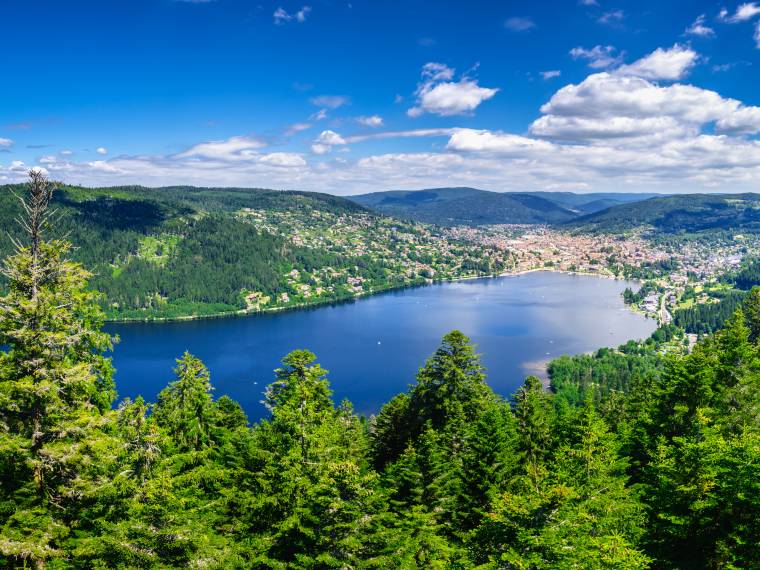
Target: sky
356 96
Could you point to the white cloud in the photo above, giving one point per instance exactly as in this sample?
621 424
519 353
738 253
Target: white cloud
281 16
371 121
101 150
519 24
5 143
744 12
297 128
612 18
439 95
413 133
330 137
103 166
757 35
318 148
670 64
283 159
611 105
598 57
325 141
588 2
234 148
66 152
698 28
551 74
472 140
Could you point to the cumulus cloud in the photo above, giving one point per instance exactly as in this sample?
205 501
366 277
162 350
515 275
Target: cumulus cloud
325 141
551 73
612 105
670 64
519 24
598 57
744 12
5 144
438 94
698 28
281 16
371 121
101 150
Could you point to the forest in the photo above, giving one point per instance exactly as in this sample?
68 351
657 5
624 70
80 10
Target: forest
630 461
176 252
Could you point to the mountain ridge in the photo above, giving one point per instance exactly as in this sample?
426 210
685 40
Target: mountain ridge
474 207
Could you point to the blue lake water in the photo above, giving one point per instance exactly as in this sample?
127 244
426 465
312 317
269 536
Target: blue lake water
374 346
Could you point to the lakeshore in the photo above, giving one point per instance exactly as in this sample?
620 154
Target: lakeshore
353 297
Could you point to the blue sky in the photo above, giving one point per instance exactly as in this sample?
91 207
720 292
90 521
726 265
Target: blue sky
357 96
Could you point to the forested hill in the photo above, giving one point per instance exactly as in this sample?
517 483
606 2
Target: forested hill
473 207
183 251
465 206
685 213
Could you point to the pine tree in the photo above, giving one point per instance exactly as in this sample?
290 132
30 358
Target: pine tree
450 387
534 415
314 497
409 534
55 387
185 407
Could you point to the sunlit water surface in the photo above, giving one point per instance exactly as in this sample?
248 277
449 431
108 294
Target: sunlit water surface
373 347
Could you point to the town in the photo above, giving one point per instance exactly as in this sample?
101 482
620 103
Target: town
413 253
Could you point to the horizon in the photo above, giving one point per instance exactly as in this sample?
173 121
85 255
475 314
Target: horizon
590 96
61 184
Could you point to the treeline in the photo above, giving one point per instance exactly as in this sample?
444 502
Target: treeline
447 475
748 275
608 374
706 318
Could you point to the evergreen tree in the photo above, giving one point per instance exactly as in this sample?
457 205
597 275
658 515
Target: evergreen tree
55 387
185 408
314 500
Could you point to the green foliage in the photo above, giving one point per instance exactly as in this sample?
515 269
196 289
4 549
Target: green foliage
634 460
177 252
678 214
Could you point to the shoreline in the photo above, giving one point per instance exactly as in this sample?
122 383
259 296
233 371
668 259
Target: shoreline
300 306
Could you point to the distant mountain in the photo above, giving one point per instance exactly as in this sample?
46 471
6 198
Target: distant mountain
683 213
595 201
470 206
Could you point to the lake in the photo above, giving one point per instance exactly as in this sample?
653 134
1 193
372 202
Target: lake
374 346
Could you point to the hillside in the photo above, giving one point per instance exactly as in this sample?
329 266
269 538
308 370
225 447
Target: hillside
686 213
182 251
469 206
